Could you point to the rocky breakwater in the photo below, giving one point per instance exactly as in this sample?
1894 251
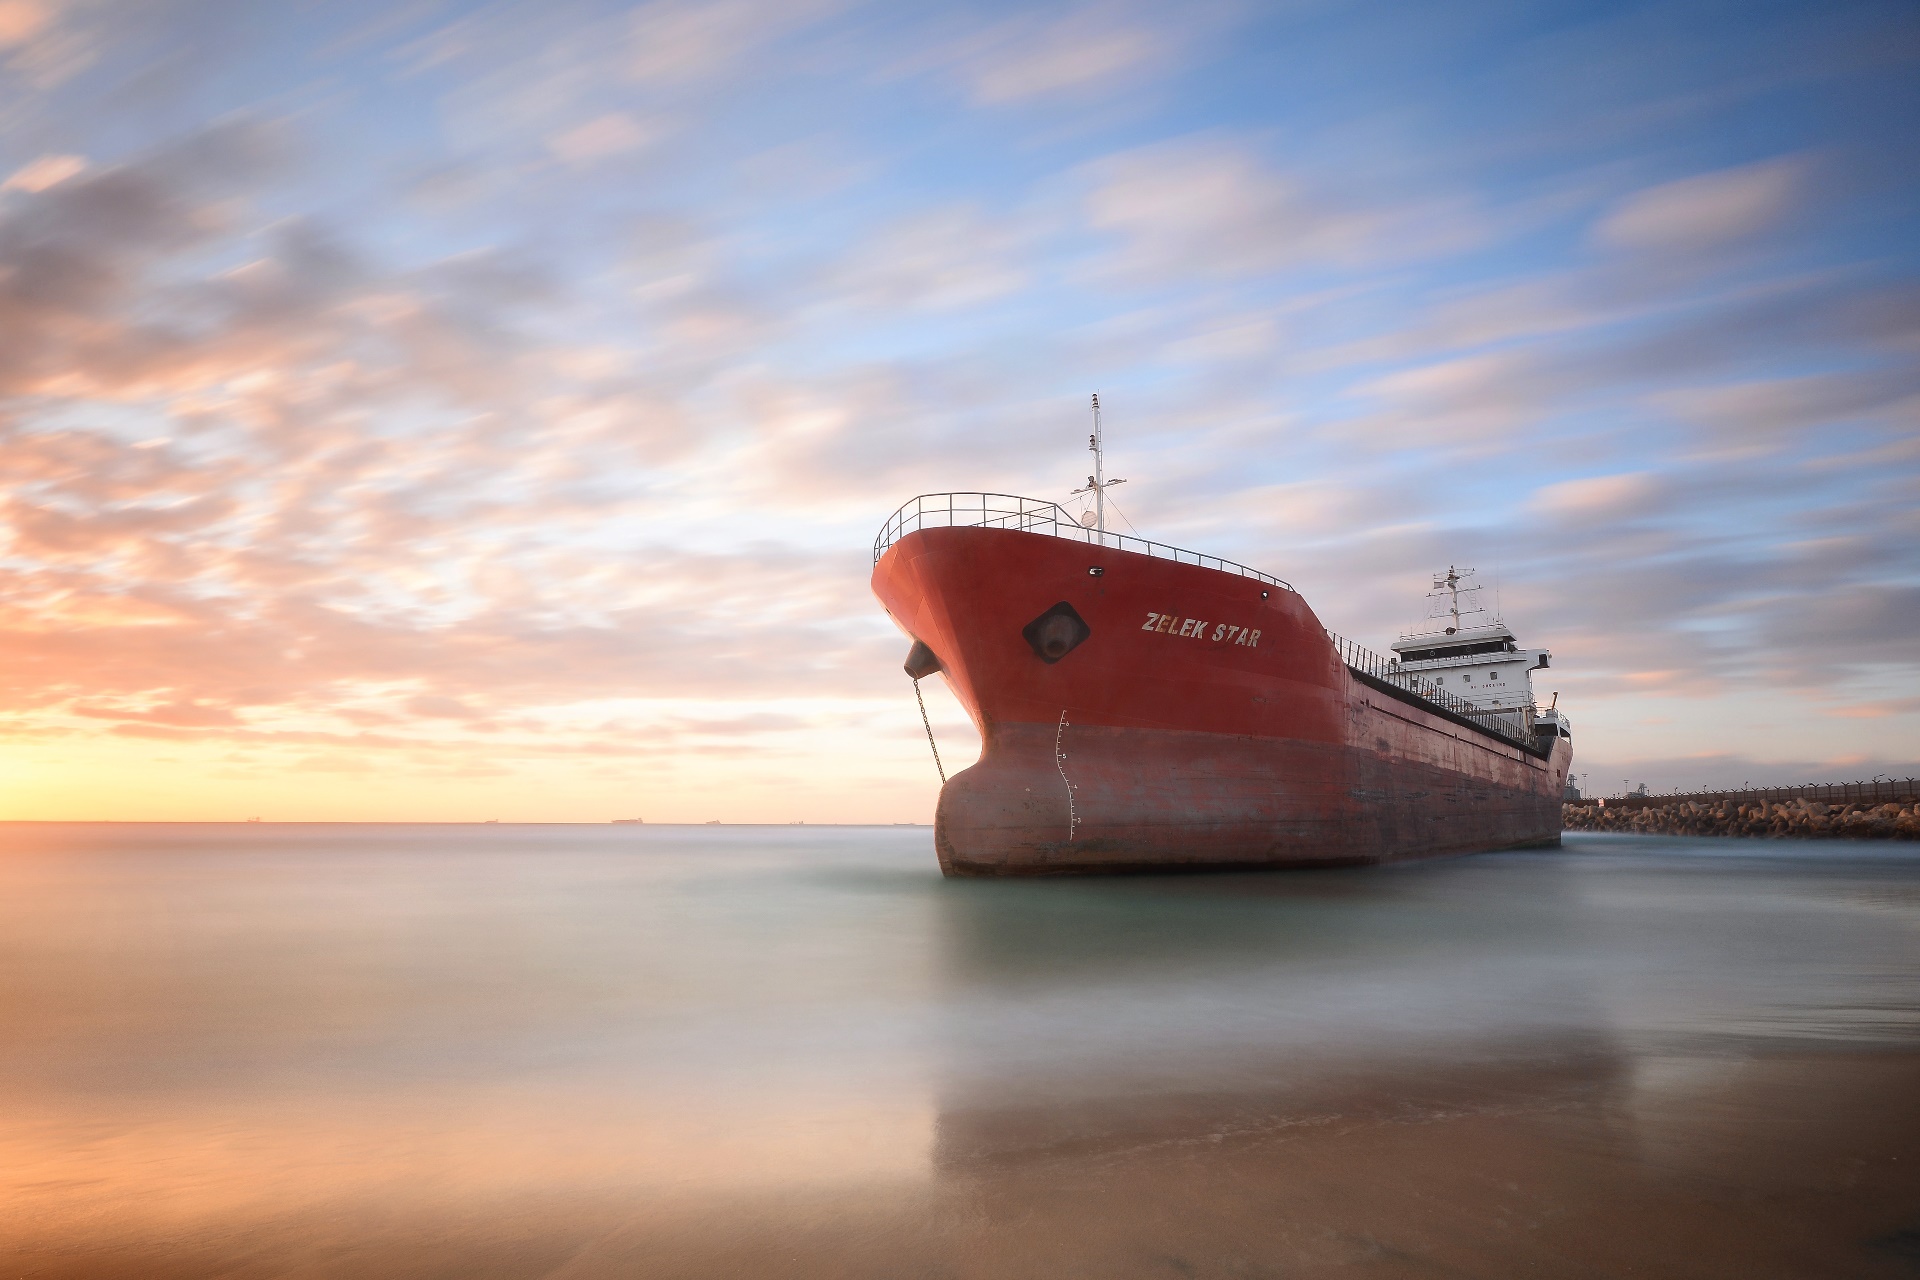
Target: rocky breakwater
1799 819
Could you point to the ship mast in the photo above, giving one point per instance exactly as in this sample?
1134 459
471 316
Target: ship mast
1448 604
1099 470
1097 483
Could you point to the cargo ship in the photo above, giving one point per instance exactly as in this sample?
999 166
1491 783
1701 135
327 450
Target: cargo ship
1147 708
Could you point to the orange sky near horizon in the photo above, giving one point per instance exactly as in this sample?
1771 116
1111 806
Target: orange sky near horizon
468 412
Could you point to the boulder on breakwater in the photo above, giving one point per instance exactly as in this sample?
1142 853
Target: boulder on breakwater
1798 819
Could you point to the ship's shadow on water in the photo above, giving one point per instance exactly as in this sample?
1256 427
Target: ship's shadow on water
1016 932
1113 1011
1104 1015
1271 939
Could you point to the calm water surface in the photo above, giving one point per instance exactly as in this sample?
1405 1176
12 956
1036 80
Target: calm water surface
582 1051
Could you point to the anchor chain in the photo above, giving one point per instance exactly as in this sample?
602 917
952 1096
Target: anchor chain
929 724
1060 763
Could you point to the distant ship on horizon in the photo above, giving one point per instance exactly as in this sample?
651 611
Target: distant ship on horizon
1147 708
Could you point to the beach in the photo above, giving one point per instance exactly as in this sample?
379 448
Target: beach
579 1051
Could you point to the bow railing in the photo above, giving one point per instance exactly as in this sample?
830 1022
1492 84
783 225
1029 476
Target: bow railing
1037 515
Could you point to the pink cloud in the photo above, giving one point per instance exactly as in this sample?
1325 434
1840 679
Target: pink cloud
1707 211
179 714
1877 710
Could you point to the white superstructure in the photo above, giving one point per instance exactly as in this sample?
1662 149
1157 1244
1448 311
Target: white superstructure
1473 656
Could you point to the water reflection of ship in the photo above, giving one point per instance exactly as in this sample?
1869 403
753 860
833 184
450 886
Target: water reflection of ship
1113 1015
1143 707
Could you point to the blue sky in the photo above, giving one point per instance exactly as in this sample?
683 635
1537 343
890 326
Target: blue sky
414 410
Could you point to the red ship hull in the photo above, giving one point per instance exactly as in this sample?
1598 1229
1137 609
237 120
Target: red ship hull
1205 720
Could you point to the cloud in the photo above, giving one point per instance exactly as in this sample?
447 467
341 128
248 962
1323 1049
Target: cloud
1711 770
738 726
1209 208
47 171
939 259
584 83
438 707
21 21
1030 58
1524 309
576 459
1708 211
1877 710
191 715
1474 401
1854 624
333 763
603 136
1599 497
1687 359
681 40
1766 413
347 490
74 256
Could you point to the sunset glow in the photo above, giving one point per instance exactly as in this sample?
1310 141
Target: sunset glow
460 412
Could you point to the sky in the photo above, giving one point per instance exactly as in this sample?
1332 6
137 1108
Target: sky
428 411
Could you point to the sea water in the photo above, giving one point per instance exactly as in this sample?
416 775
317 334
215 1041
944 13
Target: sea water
534 1049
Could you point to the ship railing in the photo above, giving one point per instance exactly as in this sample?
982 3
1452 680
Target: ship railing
1512 723
1037 515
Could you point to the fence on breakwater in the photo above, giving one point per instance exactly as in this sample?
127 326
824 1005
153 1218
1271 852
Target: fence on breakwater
1875 791
1880 809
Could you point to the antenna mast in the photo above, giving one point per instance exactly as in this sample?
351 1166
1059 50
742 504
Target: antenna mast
1097 483
1099 470
1446 596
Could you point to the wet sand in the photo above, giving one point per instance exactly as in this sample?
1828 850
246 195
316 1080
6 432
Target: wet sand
1803 1165
526 1059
